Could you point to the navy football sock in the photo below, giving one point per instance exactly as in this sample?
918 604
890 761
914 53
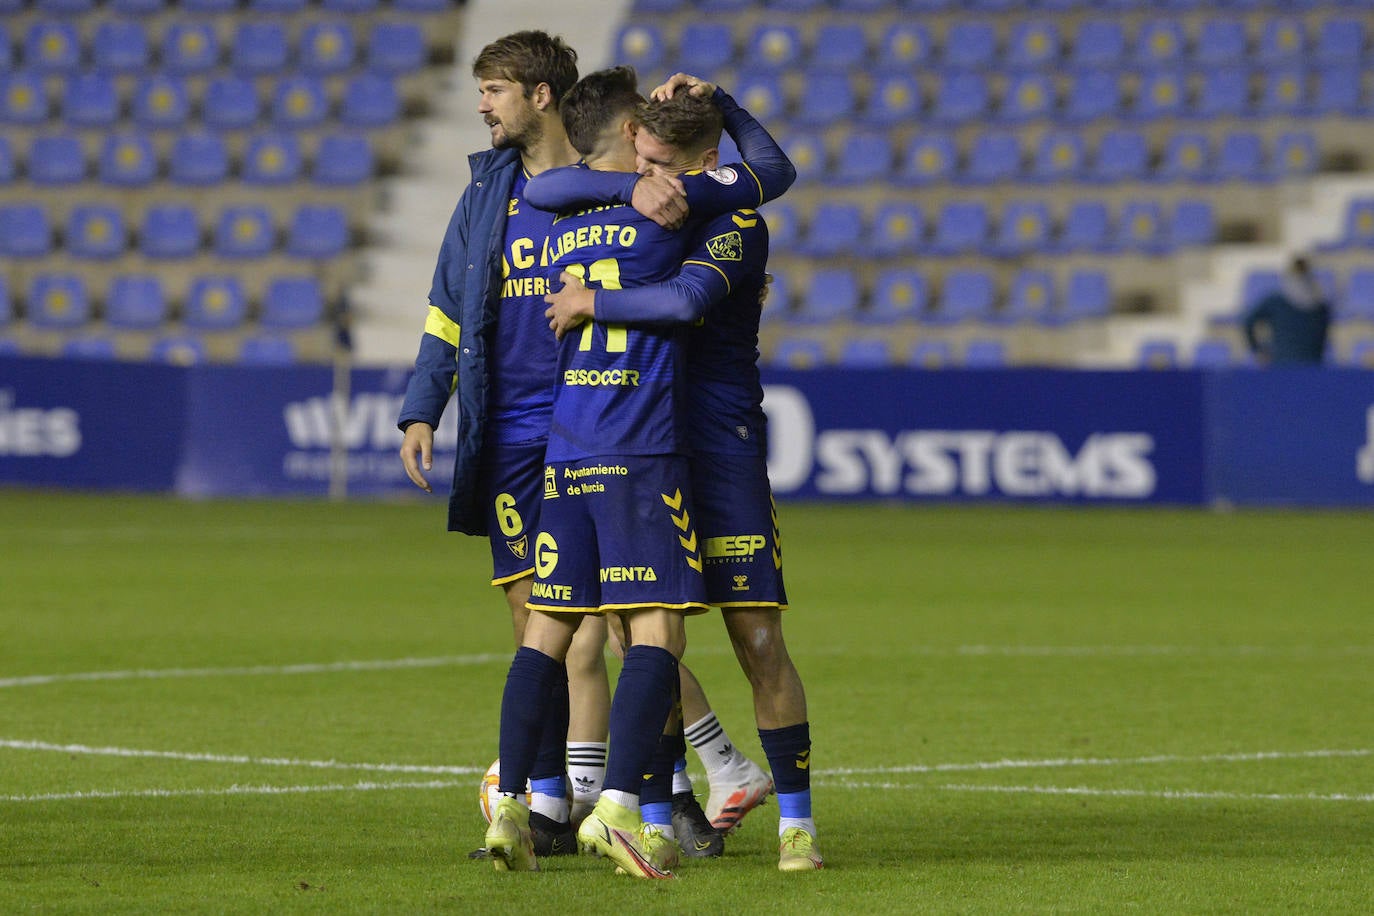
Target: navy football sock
639 709
524 708
551 760
789 756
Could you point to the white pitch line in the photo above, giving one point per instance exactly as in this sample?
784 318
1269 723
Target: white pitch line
388 664
232 790
1161 793
1094 762
83 749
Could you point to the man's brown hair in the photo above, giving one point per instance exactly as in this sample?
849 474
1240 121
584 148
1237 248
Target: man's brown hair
688 122
596 102
529 58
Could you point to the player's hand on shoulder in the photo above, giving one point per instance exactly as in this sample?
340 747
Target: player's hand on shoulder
662 199
693 84
569 306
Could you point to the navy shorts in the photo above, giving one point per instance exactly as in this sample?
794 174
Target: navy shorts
513 484
738 524
617 533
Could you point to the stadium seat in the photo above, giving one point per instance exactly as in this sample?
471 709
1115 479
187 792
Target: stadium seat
829 97
1337 90
995 156
161 102
349 7
58 301
169 231
782 6
1159 43
1093 94
215 303
1255 285
900 294
1357 304
199 158
894 99
1060 157
642 46
261 350
863 353
90 100
120 46
1028 96
970 44
1283 40
57 160
127 160
1098 43
835 227
762 95
317 232
276 7
797 353
272 159
1157 353
1034 43
1241 157
190 47
231 102
1187 157
369 100
784 224
137 7
259 46
300 101
1086 228
1295 154
865 156
862 6
89 347
839 46
52 46
63 7
832 294
807 151
135 302
960 97
1220 42
1087 295
244 231
7 164
905 45
326 47
773 46
1030 297
1224 92
1193 223
1141 227
25 231
705 47
7 346
1284 92
777 296
1213 353
1359 224
985 353
343 159
1361 354
23 98
96 231
930 159
960 228
292 302
1122 155
897 229
1341 40
208 6
1024 229
967 294
178 350
1162 94
396 48
930 354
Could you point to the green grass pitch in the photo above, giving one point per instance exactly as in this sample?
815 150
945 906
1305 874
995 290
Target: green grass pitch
257 707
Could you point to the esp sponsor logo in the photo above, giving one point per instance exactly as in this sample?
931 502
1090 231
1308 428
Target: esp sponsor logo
735 545
37 432
974 462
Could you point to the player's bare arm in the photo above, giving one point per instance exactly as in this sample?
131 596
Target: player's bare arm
570 306
417 451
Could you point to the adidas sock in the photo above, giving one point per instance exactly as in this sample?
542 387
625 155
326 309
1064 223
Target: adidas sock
713 745
586 770
789 756
524 706
644 695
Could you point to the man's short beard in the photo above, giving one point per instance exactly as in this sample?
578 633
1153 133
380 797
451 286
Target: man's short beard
528 131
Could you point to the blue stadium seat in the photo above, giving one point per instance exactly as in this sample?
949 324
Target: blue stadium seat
797 353
905 45
96 231
967 294
1028 96
1220 42
6 44
1193 223
1361 353
762 95
784 224
1157 353
723 6
1358 228
25 231
190 47
1224 92
292 302
7 166
839 46
326 47
773 46
1087 295
1034 43
782 6
63 7
398 47
962 227
272 159
350 7
89 347
127 160
1093 94
862 6
58 301
137 7
1060 157
1337 90
215 303
199 158
178 350
985 353
1162 94
961 96
863 353
930 159
1214 353
231 102
1024 228
639 44
777 296
135 302
300 101
208 6
244 231
835 227
900 294
1284 92
120 46
1283 40
56 160
1254 286
317 232
829 97
343 159
865 156
659 6
51 46
259 46
161 102
895 98
705 47
23 98
897 229
1099 43
1358 302
1241 157
1341 40
1294 154
90 100
807 151
1141 227
970 44
832 294
370 100
1087 227
930 354
995 156
1159 43
1030 297
1122 155
7 347
263 350
169 231
1187 157
276 7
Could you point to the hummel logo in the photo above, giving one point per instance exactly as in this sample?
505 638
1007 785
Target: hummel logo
804 760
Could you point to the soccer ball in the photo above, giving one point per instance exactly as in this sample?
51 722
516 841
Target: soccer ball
491 790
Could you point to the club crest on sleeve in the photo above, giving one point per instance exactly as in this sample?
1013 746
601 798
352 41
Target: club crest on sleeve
520 548
727 247
724 174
